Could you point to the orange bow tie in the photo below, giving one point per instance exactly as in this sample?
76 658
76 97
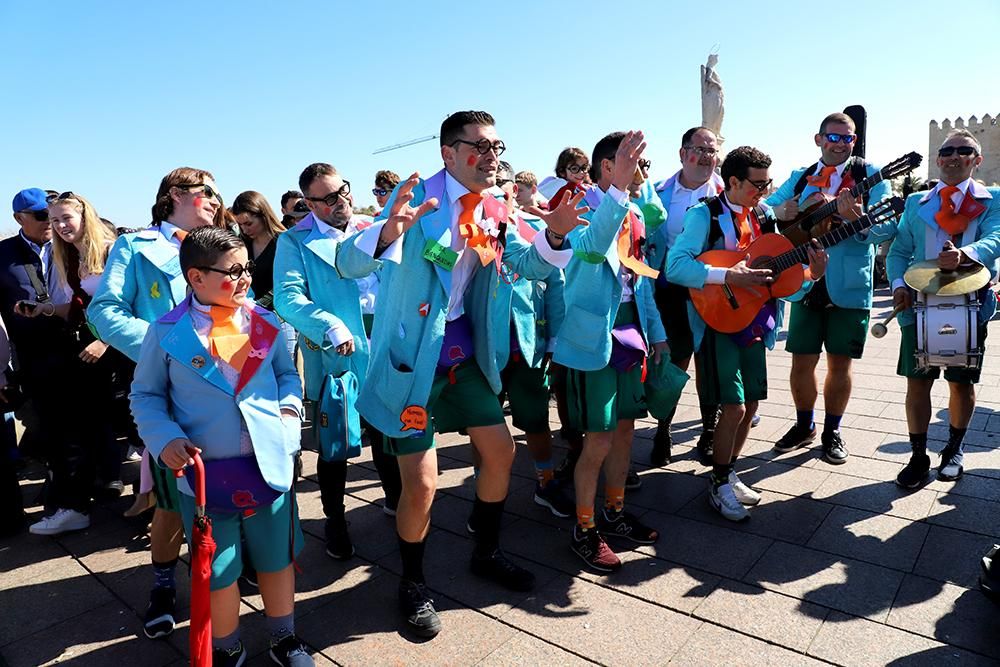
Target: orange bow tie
947 217
475 237
822 179
744 227
226 340
629 248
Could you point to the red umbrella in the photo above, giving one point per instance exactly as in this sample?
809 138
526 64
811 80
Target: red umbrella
202 551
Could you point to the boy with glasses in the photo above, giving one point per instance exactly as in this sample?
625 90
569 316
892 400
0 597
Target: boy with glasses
833 314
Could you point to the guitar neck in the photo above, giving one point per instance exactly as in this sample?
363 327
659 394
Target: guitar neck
840 233
829 208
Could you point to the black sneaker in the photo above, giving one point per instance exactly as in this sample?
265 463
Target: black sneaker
705 448
338 541
986 564
249 576
797 436
417 606
233 657
551 495
501 570
632 481
564 471
593 550
834 450
624 525
159 619
289 651
915 472
951 467
662 444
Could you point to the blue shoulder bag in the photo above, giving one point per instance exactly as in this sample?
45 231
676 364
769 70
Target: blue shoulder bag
338 424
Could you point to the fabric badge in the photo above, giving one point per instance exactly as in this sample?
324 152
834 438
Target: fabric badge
414 418
424 310
154 290
198 361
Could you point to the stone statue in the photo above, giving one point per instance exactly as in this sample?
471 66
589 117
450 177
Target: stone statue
712 98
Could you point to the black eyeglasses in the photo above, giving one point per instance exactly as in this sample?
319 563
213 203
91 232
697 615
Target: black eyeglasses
503 181
234 271
206 190
379 192
964 151
331 199
761 185
702 151
484 146
577 168
645 164
833 138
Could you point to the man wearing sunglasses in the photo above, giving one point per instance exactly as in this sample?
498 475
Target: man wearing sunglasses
957 223
333 315
832 313
695 181
385 182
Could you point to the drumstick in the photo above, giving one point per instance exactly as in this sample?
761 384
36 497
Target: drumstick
880 329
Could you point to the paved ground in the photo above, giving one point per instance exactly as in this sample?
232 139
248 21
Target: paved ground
836 565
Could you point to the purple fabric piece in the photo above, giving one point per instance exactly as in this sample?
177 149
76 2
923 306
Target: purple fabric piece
458 344
234 485
762 325
628 347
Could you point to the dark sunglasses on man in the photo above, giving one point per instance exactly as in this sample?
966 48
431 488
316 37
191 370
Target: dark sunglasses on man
834 138
761 186
40 216
206 190
964 151
379 192
331 199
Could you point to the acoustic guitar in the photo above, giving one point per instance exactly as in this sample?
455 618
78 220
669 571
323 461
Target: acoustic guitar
729 309
817 218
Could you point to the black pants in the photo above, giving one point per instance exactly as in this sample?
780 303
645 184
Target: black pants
11 505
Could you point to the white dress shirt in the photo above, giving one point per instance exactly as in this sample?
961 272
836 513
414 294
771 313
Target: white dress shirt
624 278
681 199
367 286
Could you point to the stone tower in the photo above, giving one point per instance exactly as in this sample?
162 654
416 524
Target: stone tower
987 131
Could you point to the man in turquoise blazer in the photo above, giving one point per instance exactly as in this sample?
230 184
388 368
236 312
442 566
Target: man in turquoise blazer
834 313
441 335
956 223
325 309
609 305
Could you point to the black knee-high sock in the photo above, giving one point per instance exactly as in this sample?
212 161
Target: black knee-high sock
955 438
487 523
412 555
709 416
665 423
918 442
332 476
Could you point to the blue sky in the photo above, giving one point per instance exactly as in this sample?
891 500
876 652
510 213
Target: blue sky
104 98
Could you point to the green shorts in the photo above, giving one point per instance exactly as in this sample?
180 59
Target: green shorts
672 302
729 374
467 403
841 331
907 365
527 390
272 537
165 487
598 400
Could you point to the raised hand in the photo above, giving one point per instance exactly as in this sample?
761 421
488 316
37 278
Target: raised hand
627 159
564 218
402 216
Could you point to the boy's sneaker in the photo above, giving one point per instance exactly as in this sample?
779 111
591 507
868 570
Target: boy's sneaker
915 472
747 496
289 651
755 421
61 521
724 500
418 608
834 449
551 495
338 542
951 467
797 436
632 481
249 576
501 570
593 550
624 525
159 619
233 657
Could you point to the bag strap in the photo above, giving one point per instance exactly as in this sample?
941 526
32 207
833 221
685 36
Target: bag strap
37 282
714 205
800 184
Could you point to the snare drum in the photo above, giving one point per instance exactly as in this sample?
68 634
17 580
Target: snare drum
948 331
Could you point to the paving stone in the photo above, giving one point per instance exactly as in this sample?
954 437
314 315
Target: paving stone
601 624
952 556
858 588
713 645
948 613
972 484
967 513
875 538
710 548
858 642
881 497
862 466
780 476
523 649
665 490
770 616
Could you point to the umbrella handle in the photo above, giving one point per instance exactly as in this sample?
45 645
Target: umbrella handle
199 485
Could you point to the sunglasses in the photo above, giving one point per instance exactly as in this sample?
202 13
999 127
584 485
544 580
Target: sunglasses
834 138
645 164
206 190
234 271
761 185
484 146
503 181
39 216
702 151
964 151
331 199
379 192
577 169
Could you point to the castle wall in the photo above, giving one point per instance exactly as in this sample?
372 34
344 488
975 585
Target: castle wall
987 131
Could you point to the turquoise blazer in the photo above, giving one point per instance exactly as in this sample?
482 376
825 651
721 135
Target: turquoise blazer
910 243
179 392
410 317
683 267
593 292
849 271
537 308
142 281
312 296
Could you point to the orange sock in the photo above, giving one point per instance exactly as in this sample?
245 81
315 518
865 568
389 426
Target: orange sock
585 517
544 473
614 498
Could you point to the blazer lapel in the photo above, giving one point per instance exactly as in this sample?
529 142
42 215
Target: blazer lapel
161 253
929 208
262 337
183 344
436 225
321 245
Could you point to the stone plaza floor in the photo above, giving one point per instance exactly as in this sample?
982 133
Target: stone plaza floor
836 566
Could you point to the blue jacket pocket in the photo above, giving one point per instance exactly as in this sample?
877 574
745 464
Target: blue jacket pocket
338 423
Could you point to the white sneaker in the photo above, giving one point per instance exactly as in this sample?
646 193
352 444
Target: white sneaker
133 454
62 521
747 496
723 499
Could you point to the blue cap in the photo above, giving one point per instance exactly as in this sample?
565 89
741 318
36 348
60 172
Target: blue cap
32 199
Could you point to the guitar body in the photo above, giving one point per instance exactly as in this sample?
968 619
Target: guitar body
793 230
730 314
